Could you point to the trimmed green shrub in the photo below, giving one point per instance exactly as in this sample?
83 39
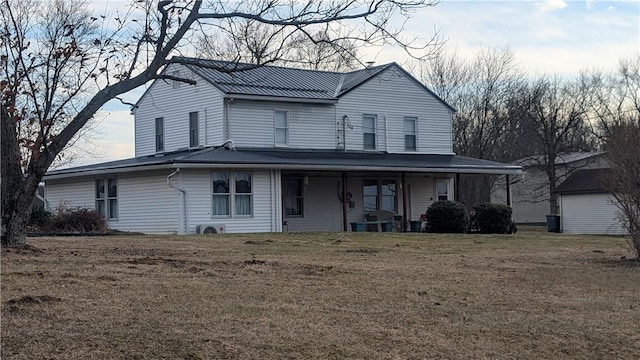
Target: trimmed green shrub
78 221
446 216
492 218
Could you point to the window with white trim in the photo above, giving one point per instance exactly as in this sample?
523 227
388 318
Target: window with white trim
193 129
232 193
281 127
107 198
369 132
410 143
380 194
293 197
159 134
442 189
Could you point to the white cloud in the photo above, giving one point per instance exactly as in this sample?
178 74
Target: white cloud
550 5
589 4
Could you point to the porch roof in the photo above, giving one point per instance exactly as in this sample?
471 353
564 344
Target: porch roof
296 159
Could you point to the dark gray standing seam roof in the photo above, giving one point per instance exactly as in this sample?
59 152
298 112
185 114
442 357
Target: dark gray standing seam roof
234 78
289 159
584 181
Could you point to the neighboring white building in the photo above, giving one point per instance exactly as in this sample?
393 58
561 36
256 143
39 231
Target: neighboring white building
271 148
530 191
586 207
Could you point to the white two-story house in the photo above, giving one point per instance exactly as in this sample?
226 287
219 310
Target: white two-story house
271 149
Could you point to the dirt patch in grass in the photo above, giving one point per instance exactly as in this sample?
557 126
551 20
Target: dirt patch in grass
321 296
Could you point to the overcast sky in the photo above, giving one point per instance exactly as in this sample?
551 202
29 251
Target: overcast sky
552 36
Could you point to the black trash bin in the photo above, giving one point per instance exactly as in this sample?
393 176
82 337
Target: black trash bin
553 223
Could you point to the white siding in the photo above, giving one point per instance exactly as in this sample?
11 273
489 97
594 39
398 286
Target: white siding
421 195
251 123
198 186
147 204
66 194
392 96
174 105
322 208
589 214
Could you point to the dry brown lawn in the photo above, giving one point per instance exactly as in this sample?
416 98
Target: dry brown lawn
321 296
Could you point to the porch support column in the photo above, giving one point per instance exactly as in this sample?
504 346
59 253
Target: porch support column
508 191
405 200
457 185
344 201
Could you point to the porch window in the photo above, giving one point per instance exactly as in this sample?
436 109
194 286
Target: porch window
243 193
410 134
442 189
232 191
221 194
380 194
159 134
282 127
369 132
107 198
293 198
193 129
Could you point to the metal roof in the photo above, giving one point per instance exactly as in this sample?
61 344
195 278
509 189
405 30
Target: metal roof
584 181
233 78
290 159
561 159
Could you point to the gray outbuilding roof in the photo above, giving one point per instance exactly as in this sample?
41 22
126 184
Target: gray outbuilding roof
584 181
290 159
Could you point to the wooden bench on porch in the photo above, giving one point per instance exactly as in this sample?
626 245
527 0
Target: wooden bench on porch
381 220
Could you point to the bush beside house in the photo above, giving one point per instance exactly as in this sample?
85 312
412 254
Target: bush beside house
447 216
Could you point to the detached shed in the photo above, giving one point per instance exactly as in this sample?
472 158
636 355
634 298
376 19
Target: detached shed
586 207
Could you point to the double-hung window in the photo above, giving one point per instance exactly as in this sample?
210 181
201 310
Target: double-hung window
442 189
159 134
193 129
410 134
369 132
107 198
380 194
232 193
293 197
281 127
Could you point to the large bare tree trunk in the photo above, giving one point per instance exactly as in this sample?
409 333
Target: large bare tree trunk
17 191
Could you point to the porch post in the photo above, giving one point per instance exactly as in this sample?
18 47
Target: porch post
344 201
457 190
404 202
508 191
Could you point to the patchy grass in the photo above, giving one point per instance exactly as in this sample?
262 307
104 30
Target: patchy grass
323 295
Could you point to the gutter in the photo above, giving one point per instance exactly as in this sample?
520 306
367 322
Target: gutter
184 201
280 98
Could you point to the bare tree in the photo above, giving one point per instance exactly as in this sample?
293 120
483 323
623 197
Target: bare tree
252 42
554 115
480 90
623 178
61 64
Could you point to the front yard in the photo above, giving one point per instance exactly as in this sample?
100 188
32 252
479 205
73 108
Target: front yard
323 295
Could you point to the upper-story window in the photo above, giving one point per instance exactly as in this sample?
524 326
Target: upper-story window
159 134
107 198
369 132
176 83
193 129
410 134
282 127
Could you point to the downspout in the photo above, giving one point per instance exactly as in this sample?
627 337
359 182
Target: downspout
386 134
206 122
184 201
